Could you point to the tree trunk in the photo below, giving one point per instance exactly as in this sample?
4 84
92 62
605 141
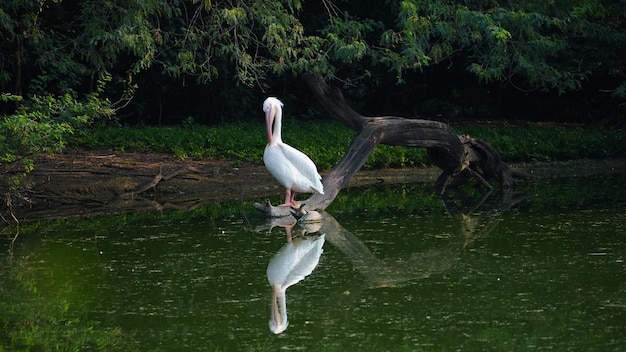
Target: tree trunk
456 155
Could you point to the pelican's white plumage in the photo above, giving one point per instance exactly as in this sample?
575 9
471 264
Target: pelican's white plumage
293 262
292 168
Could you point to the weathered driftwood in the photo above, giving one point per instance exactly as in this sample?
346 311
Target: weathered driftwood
459 157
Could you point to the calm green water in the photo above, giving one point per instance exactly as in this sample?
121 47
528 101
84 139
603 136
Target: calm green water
529 272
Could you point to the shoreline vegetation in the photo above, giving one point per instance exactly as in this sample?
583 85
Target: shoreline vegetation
112 170
325 142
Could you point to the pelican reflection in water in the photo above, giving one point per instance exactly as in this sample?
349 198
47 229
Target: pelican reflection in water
299 257
293 262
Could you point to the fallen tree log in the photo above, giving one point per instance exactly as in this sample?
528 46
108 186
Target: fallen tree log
459 157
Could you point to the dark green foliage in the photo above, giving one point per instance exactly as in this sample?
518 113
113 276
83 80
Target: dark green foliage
397 199
43 124
536 142
207 59
326 142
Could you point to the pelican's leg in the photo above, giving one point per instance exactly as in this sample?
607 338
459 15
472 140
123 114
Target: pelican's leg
288 197
293 200
288 232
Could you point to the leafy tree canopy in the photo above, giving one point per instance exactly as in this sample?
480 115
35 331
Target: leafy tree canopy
218 48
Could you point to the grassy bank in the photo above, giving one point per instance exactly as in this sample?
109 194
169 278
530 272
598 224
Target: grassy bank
326 141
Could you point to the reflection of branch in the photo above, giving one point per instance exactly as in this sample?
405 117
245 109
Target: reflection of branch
276 222
471 228
482 200
383 273
469 205
511 198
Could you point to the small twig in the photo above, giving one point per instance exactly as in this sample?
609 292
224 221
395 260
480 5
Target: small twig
152 184
477 176
175 173
155 181
482 200
66 200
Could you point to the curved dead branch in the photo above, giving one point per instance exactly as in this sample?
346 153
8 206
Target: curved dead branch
459 157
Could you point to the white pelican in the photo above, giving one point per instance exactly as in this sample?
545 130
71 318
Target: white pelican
293 262
291 167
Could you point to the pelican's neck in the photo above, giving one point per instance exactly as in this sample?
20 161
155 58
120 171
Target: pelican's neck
279 321
278 124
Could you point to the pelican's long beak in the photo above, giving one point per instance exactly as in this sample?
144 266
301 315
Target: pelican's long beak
269 120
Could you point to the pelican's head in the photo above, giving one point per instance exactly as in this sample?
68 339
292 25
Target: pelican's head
271 107
271 103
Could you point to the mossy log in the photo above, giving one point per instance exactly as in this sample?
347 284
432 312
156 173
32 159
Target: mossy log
459 157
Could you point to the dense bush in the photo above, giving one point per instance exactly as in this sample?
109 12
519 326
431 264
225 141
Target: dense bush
43 125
